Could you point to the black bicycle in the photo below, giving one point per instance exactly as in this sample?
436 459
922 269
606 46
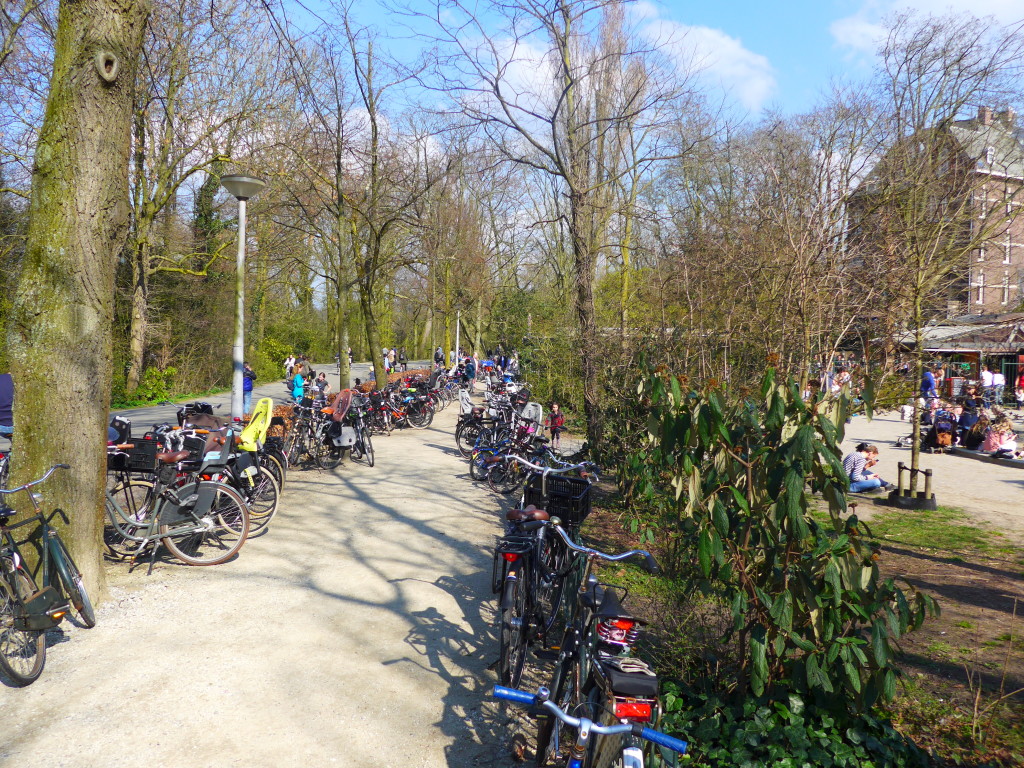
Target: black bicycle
26 611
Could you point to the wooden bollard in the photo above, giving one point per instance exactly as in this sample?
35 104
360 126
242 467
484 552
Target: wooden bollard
927 483
899 479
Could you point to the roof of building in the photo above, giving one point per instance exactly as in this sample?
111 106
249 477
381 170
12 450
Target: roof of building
994 334
976 138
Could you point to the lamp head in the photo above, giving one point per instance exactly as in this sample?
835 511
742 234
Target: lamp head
242 187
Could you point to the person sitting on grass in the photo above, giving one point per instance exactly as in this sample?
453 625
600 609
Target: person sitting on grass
856 466
1000 438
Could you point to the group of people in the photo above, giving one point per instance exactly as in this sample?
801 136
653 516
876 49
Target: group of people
975 420
301 380
395 360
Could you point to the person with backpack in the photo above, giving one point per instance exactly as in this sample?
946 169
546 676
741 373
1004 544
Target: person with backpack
248 377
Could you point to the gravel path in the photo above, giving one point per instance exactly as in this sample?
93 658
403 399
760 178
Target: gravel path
357 632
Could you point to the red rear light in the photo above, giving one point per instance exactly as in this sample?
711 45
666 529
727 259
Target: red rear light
510 556
632 710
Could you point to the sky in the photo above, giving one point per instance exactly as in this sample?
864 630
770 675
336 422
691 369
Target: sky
771 54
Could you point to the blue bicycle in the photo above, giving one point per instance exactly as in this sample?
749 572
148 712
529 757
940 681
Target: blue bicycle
582 753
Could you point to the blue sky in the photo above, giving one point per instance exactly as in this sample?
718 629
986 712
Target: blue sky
764 54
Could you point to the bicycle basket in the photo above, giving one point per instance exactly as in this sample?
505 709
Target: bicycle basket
567 497
140 458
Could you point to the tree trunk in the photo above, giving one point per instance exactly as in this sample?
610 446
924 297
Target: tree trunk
61 332
372 335
341 324
478 331
140 314
583 263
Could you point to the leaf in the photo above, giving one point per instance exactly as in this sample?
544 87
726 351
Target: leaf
889 685
741 500
758 660
720 518
782 611
879 643
833 580
704 552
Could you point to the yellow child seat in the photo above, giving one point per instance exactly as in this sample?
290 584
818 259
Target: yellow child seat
259 422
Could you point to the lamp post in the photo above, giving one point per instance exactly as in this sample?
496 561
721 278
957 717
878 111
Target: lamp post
242 187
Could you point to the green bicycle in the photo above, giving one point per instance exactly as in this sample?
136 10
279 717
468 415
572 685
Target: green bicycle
26 611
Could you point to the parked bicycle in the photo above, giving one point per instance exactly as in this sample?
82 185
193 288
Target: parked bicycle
584 750
26 612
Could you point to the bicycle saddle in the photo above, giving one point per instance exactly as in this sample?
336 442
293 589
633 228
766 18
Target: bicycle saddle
611 608
526 514
172 458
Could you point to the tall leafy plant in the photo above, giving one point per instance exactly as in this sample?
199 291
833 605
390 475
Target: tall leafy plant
810 612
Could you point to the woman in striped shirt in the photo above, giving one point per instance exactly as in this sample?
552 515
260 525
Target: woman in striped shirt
856 465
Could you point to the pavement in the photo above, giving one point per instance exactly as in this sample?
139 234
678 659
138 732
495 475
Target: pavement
357 631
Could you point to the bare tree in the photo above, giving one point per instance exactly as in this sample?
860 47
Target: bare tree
549 91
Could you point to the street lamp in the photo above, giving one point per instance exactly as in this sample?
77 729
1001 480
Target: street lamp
242 187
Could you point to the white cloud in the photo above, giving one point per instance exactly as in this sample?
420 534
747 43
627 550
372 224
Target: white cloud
723 60
861 31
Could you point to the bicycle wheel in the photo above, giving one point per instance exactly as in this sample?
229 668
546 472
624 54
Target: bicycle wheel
71 580
22 651
478 467
263 499
328 455
505 477
549 582
213 535
466 438
513 632
130 517
276 464
368 446
552 735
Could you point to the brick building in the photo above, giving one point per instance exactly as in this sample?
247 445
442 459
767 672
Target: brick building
995 277
976 167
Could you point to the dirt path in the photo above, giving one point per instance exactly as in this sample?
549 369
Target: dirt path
357 632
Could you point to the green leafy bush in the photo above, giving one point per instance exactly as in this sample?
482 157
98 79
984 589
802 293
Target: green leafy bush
787 733
810 612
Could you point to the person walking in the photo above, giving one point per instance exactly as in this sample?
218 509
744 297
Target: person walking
403 360
986 386
998 387
248 377
555 424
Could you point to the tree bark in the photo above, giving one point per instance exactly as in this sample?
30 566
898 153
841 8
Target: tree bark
60 337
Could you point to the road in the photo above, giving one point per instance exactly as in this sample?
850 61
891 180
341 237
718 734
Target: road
356 632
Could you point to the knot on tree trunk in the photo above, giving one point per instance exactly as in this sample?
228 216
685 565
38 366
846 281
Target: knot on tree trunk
107 65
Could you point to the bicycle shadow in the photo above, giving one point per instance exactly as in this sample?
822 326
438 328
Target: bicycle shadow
464 655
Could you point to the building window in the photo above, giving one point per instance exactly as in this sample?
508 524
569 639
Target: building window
1007 249
981 254
990 154
1006 288
979 286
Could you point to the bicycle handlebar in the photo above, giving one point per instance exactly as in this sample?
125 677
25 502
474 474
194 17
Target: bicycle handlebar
650 564
541 699
585 468
26 486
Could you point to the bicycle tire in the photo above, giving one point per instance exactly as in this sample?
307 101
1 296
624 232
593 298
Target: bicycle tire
277 466
549 585
135 498
71 580
226 526
367 446
564 688
263 500
328 455
466 437
22 651
513 631
478 468
505 477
